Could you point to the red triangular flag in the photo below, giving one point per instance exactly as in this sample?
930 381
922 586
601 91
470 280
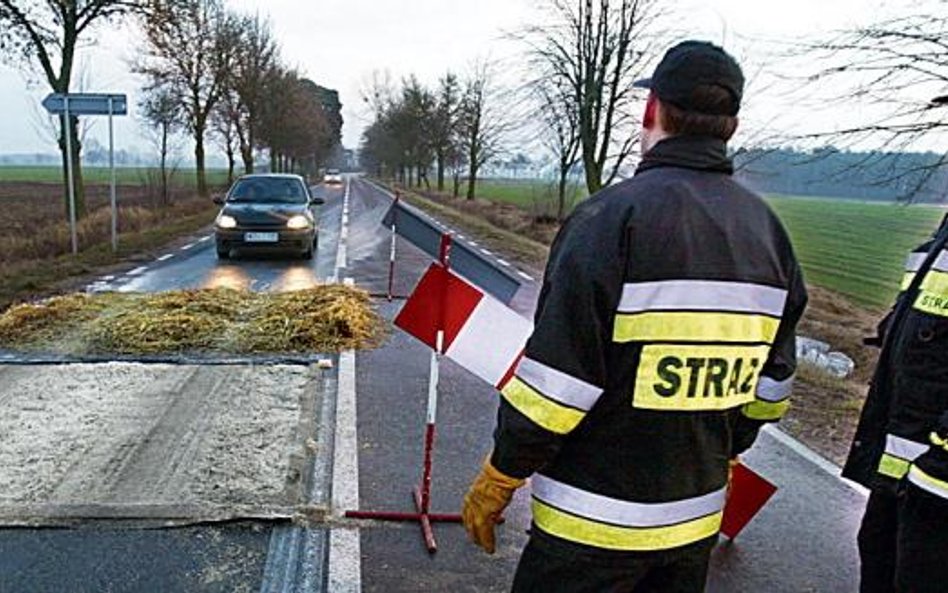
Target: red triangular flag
748 494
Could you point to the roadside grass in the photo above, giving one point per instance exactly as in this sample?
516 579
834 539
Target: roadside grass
101 175
28 279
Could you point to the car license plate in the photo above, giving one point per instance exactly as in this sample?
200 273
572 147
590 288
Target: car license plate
261 237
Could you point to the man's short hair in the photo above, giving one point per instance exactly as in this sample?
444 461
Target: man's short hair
708 99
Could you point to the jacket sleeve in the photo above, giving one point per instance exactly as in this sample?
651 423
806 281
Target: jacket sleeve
563 371
774 388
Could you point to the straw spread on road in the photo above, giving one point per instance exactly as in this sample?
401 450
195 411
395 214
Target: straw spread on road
326 318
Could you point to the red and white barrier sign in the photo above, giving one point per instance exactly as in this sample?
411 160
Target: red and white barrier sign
749 493
480 333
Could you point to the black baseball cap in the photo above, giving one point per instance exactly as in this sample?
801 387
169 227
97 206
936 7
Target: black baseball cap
690 64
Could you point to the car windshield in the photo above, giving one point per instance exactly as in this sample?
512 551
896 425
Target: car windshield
268 190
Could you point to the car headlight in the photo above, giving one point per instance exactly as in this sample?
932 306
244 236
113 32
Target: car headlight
225 221
298 222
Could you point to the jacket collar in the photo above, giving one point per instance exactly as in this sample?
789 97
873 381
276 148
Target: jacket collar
691 152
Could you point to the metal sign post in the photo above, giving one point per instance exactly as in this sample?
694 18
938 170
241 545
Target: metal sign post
112 203
69 178
67 105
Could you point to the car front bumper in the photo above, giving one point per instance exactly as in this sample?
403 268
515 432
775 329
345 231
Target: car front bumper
299 241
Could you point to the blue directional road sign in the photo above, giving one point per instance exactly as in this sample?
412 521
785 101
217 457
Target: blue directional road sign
86 104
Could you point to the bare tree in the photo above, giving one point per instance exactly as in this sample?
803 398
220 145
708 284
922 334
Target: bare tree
161 111
559 133
49 33
255 54
596 49
444 124
188 48
482 123
894 67
226 119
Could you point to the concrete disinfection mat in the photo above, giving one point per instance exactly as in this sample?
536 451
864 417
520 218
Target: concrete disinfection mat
155 441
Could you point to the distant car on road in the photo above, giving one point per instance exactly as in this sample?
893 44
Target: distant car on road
267 212
332 177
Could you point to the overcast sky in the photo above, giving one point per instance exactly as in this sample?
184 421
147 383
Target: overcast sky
340 43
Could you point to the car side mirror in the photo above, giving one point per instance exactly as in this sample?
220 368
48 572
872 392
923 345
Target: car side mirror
316 200
218 199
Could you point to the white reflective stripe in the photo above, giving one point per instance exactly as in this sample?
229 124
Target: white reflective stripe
941 262
557 385
903 448
773 391
702 295
914 261
620 512
928 483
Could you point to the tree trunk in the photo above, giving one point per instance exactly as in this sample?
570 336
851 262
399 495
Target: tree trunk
561 195
164 164
230 165
593 174
457 183
440 165
471 183
199 159
76 167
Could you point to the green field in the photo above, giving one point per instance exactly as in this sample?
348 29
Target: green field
854 248
123 175
528 194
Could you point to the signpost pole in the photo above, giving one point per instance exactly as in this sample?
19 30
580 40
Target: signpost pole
112 181
69 177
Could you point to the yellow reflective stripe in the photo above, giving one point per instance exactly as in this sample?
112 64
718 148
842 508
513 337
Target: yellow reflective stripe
691 326
893 467
927 482
766 411
616 537
545 412
907 281
938 441
699 377
936 282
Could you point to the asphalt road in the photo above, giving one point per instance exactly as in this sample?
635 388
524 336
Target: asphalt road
242 556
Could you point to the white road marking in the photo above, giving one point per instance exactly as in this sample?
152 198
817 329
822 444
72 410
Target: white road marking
345 570
165 257
503 262
137 271
812 456
486 252
342 249
525 276
472 243
108 278
186 247
203 239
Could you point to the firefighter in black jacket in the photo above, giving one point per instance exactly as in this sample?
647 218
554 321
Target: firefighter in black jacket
900 451
664 339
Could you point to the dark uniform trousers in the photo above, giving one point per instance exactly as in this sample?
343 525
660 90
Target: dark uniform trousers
546 567
903 542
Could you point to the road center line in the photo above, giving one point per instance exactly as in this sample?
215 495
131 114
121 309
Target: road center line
186 247
165 257
137 271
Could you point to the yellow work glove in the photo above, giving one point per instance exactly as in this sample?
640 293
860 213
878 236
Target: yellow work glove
485 502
